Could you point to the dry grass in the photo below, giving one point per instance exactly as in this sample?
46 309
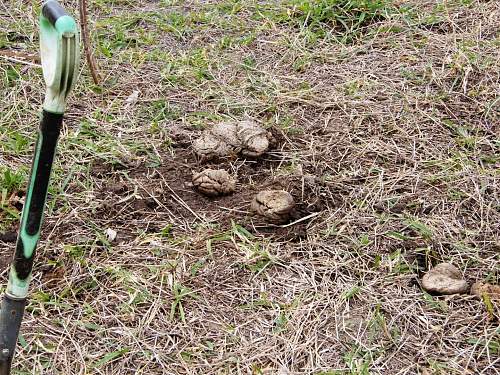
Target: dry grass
388 137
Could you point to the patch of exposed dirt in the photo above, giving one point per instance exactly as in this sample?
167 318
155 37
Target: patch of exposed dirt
171 183
7 247
5 259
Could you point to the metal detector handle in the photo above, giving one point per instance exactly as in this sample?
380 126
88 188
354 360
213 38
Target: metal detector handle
52 10
60 58
14 300
50 128
11 316
60 54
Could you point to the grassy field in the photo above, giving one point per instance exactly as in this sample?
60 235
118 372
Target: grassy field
386 122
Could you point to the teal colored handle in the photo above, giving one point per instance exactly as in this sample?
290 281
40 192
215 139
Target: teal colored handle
60 54
32 215
14 300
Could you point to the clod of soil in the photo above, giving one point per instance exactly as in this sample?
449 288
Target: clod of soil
274 205
228 139
214 143
214 182
227 132
8 236
445 278
479 289
254 139
17 199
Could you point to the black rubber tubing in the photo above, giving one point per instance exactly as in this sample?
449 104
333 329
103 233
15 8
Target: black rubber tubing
11 315
52 10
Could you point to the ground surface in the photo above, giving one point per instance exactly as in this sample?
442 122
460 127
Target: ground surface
386 127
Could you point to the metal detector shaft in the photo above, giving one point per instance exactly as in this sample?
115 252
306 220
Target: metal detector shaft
60 57
14 299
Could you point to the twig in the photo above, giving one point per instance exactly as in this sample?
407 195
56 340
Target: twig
86 42
301 219
10 58
21 55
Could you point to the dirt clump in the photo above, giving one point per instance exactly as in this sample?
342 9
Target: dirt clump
214 182
8 236
254 139
479 289
220 141
444 278
227 139
275 206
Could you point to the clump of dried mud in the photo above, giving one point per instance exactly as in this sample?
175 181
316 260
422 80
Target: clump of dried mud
214 182
227 139
275 206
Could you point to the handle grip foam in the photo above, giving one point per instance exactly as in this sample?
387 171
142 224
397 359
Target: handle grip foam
52 10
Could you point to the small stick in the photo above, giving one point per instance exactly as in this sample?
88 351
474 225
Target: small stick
19 61
86 41
314 214
21 55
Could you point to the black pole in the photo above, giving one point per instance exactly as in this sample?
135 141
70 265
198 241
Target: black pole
14 300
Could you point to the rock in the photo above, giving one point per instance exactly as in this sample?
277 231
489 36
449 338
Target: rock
254 139
274 205
445 278
214 182
111 234
480 288
230 138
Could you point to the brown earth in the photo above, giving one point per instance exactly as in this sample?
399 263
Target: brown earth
387 139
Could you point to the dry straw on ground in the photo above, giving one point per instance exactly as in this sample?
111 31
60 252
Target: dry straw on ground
387 138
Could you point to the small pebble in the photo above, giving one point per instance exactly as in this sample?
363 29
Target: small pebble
111 234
